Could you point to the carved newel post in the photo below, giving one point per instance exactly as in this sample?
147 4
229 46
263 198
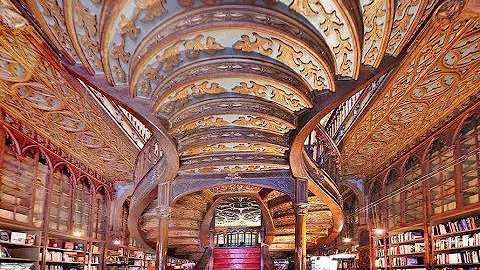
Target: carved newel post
164 212
301 211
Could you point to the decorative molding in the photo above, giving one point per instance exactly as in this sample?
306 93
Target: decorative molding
301 209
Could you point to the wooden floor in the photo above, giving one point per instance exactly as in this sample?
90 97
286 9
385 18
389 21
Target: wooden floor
237 258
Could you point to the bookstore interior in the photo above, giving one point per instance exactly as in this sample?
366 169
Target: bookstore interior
239 134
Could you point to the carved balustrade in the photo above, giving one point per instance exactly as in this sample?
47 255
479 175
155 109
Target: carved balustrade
323 152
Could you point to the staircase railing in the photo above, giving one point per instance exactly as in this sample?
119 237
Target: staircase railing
323 151
345 115
321 161
150 166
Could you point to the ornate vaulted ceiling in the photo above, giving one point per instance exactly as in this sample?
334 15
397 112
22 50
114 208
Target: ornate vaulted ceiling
434 81
228 79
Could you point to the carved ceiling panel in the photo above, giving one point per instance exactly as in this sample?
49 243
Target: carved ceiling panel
434 80
238 212
283 95
38 94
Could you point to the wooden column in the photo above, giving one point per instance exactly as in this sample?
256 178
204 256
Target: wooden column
301 210
164 211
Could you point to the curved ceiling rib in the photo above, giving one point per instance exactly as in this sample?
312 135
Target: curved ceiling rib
230 88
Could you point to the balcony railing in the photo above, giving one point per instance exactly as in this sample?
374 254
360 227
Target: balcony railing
343 117
324 152
136 131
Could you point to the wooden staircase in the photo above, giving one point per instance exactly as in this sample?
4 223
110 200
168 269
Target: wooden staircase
247 258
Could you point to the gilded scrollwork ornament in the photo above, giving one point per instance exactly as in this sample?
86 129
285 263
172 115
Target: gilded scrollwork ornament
11 19
449 10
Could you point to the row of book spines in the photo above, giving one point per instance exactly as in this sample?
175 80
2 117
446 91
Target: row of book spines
458 258
463 224
406 236
466 240
407 261
406 251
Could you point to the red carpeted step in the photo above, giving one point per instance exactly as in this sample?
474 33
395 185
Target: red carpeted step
237 258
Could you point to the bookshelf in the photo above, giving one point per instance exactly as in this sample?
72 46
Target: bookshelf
93 259
456 244
379 252
406 250
124 257
19 246
63 253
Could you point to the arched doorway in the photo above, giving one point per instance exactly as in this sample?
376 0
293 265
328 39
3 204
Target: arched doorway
238 222
237 226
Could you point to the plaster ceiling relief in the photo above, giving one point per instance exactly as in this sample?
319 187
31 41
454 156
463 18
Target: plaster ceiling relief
40 96
442 75
234 147
182 50
377 16
229 81
232 169
408 16
277 126
234 188
238 212
268 90
336 25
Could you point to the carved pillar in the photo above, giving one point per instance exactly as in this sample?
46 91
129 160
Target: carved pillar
164 211
301 210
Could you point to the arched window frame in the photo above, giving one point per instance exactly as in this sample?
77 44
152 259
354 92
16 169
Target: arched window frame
393 183
82 205
60 202
470 168
376 213
442 184
100 213
413 191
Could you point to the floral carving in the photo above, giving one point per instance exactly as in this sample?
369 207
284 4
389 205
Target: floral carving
54 13
89 24
374 11
180 98
261 44
286 53
195 46
262 123
152 9
406 11
275 94
43 98
170 58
